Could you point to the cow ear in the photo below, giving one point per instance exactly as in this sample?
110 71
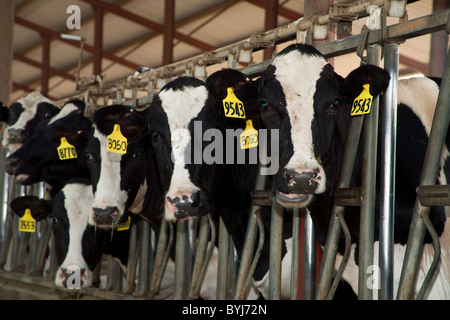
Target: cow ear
39 208
4 113
378 79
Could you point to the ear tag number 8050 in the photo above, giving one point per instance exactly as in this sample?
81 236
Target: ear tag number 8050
27 223
66 150
362 103
249 137
116 141
233 107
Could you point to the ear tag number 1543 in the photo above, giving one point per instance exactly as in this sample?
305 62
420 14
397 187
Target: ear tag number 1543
66 150
249 137
233 107
363 102
27 223
116 141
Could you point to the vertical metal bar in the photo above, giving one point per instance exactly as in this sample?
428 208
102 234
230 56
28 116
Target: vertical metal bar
388 147
428 177
295 256
132 258
368 185
309 258
276 238
181 260
169 30
334 229
144 240
223 262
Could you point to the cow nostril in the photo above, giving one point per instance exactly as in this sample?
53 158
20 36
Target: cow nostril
11 164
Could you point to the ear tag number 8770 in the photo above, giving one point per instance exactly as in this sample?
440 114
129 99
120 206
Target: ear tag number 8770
233 107
66 150
116 141
27 223
363 102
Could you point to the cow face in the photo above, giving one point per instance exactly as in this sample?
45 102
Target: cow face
302 96
23 117
178 120
39 158
120 181
76 251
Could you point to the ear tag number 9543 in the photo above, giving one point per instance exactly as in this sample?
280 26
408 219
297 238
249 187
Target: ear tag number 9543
233 107
66 150
116 141
362 103
249 137
27 223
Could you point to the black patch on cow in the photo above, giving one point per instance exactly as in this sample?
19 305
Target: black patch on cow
303 48
15 110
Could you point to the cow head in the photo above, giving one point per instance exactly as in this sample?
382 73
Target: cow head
40 158
69 210
302 96
23 116
188 127
122 181
176 112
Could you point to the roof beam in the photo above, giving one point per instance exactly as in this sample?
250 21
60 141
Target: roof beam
87 47
149 24
289 14
34 63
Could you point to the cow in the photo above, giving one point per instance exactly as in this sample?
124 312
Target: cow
185 115
79 246
55 152
123 182
310 105
23 116
129 182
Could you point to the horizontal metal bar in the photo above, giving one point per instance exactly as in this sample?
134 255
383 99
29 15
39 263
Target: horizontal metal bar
347 197
434 195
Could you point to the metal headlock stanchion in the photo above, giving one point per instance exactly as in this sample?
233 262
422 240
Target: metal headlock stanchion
428 178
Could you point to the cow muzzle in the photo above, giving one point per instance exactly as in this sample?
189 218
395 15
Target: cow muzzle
298 187
105 217
73 278
188 205
15 135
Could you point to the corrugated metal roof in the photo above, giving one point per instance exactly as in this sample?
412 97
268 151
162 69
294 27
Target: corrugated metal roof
213 22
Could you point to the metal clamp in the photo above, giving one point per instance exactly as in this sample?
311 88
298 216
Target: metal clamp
362 43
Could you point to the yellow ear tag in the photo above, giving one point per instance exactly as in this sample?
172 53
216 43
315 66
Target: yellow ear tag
66 150
116 141
233 107
362 103
27 222
125 225
249 137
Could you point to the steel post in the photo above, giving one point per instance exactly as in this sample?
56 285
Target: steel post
428 177
387 167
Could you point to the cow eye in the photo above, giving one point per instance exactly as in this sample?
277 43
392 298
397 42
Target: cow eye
137 154
336 103
48 115
54 219
155 135
89 156
264 105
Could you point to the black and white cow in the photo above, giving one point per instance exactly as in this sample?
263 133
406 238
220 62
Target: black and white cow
196 146
123 182
23 116
39 158
79 246
302 97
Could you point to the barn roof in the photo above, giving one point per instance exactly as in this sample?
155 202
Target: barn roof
133 36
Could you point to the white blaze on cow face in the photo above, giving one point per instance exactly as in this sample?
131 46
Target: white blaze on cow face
298 74
181 106
108 193
65 111
78 201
